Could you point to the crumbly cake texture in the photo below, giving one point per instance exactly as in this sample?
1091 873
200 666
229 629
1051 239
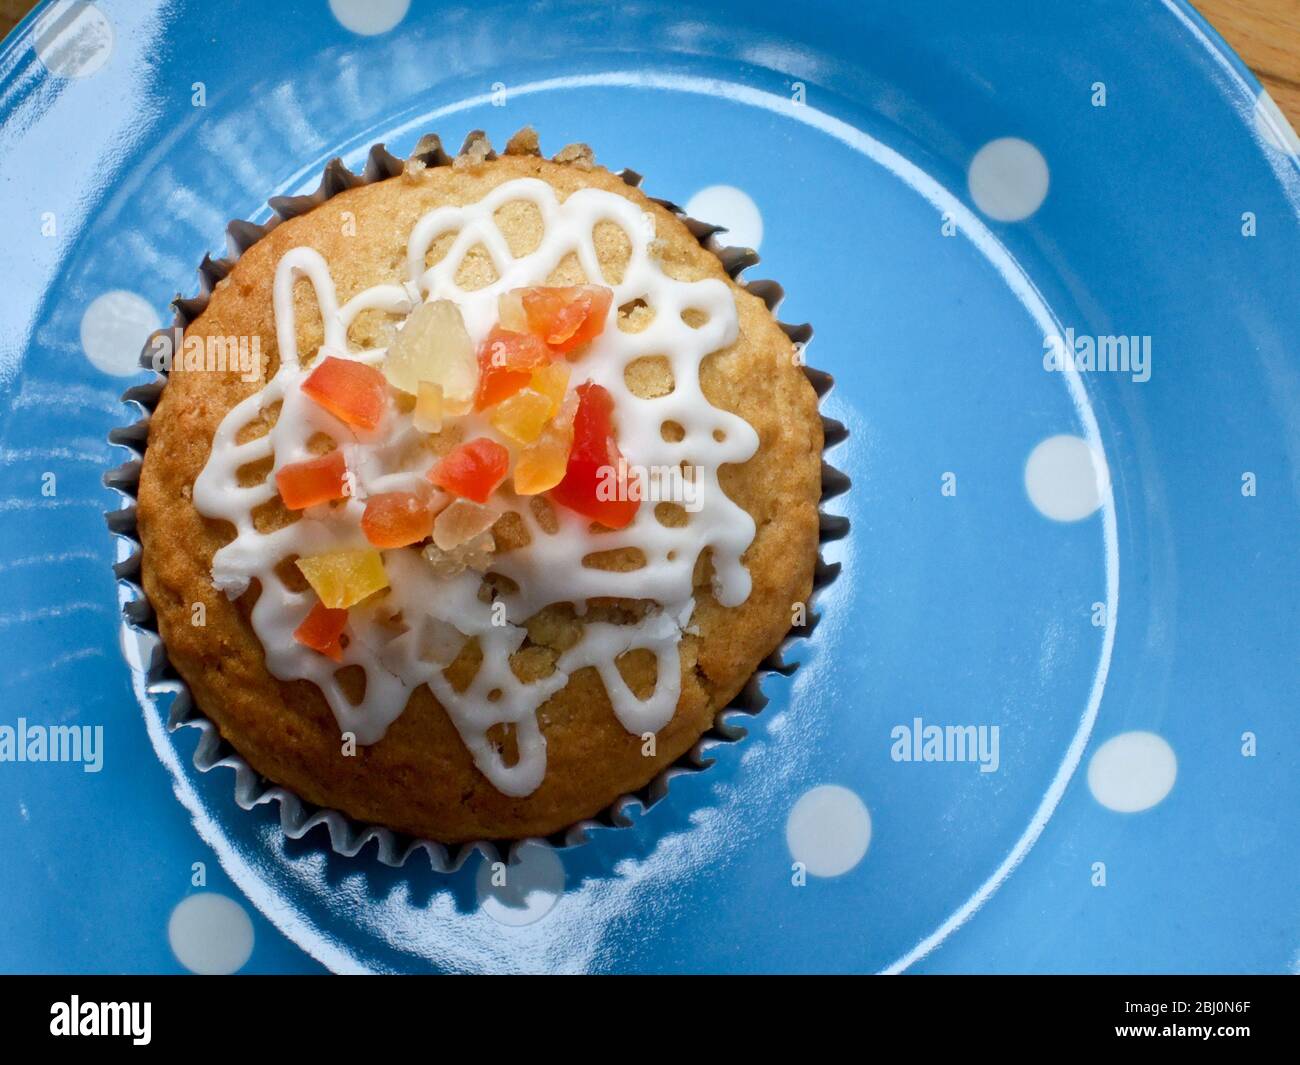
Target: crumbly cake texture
420 778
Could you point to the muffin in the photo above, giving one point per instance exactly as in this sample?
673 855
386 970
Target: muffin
511 492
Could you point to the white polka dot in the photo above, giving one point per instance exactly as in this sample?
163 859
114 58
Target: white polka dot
725 205
369 17
531 887
114 330
1274 127
210 934
1065 479
1008 179
73 39
1132 771
828 830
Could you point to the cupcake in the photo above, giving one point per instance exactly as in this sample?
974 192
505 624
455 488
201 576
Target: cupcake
475 493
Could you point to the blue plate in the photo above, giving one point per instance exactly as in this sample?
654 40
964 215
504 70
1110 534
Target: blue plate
1048 718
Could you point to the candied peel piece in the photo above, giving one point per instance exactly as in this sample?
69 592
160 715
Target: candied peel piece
350 390
472 470
594 484
460 522
551 381
567 317
542 464
319 480
475 554
321 630
397 519
523 416
427 416
510 311
506 362
344 578
433 346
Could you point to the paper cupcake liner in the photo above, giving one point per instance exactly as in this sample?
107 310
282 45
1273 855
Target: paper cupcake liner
347 836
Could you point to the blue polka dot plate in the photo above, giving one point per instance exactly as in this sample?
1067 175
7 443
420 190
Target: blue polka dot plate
1047 719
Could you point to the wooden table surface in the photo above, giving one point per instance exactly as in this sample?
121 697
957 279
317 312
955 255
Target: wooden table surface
1265 33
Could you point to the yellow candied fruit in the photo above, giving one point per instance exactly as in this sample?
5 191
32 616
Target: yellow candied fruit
523 416
343 578
510 311
551 381
541 465
428 408
433 346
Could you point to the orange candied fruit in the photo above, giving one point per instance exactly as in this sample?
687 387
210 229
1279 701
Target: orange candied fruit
473 470
506 361
396 519
351 391
319 480
567 317
321 630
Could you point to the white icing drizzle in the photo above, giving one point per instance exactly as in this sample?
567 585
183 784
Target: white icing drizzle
550 568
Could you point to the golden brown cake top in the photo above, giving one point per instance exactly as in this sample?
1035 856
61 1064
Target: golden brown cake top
392 316
486 368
